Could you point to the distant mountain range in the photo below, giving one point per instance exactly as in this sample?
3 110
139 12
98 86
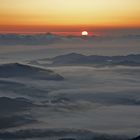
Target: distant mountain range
35 39
48 38
92 60
17 70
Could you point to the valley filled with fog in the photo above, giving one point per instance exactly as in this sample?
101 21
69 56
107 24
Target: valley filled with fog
82 93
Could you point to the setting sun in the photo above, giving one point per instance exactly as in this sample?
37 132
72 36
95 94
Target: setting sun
84 33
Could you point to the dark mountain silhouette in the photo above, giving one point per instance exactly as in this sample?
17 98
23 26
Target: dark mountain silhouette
67 139
26 71
79 59
15 120
14 104
21 89
12 112
137 138
60 134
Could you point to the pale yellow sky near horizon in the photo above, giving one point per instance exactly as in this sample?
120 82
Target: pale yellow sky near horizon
65 13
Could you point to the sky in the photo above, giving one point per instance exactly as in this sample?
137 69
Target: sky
69 15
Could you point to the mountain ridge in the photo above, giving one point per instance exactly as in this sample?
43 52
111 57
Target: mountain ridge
27 71
97 60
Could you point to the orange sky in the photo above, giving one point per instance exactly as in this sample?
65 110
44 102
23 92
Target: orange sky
68 15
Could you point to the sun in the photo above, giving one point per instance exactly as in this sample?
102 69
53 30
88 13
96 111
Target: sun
84 33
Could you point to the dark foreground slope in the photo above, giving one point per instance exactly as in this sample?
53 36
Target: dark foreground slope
12 112
58 134
17 70
137 138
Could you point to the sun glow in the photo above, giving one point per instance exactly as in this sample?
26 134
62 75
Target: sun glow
84 33
65 14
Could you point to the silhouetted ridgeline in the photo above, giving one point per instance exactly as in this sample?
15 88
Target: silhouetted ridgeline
25 71
95 60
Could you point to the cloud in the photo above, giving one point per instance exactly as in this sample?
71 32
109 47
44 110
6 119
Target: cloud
95 103
80 99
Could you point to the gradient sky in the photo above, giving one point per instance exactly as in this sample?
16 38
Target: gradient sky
68 15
